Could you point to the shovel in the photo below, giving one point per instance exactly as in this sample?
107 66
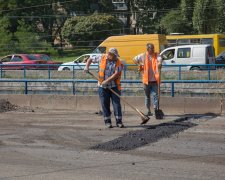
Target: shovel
158 112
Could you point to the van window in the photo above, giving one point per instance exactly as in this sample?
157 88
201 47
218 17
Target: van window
222 42
172 42
207 41
195 41
169 54
183 41
184 53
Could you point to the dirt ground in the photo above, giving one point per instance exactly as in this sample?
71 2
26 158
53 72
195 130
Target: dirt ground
40 144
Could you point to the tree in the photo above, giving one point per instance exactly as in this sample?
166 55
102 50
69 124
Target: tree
150 12
220 28
204 21
186 7
173 22
83 30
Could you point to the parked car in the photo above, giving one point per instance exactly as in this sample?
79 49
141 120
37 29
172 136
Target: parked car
220 59
18 61
49 60
78 63
193 55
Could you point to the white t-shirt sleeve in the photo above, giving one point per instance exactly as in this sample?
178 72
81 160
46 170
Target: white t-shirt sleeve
96 59
139 59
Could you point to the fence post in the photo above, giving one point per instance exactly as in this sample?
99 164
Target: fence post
125 71
209 72
179 76
49 73
24 72
25 88
1 71
73 72
172 89
74 90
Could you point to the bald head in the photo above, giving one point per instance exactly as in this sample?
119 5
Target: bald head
150 48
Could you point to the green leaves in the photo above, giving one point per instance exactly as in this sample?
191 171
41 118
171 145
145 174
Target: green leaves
85 29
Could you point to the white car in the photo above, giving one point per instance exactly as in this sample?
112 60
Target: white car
79 63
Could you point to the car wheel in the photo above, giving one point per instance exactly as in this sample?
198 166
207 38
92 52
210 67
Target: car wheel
195 68
66 69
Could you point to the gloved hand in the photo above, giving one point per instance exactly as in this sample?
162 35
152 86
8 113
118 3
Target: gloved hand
140 68
103 84
159 66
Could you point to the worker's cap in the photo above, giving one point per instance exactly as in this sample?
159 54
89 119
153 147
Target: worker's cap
114 51
150 46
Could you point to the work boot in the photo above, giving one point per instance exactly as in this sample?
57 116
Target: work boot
149 113
108 125
120 125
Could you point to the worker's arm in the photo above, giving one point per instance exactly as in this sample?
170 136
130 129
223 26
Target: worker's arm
113 77
86 69
159 58
139 59
91 60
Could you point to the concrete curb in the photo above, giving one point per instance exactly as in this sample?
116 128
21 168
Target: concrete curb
176 105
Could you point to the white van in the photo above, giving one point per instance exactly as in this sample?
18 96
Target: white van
189 54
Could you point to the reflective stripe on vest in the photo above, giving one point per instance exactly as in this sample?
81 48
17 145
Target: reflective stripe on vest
102 67
150 64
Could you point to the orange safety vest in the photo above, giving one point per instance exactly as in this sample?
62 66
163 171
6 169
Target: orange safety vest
147 64
102 67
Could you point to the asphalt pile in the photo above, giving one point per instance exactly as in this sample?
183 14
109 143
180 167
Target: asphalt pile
139 138
6 106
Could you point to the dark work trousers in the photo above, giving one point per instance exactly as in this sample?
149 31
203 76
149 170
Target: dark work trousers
105 96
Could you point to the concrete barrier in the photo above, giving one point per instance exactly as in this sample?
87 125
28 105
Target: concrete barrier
176 105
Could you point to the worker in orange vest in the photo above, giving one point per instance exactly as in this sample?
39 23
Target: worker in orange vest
110 71
149 64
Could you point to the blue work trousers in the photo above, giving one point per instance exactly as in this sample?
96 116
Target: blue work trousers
106 96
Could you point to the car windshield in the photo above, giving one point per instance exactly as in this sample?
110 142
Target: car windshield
100 50
82 59
221 54
32 57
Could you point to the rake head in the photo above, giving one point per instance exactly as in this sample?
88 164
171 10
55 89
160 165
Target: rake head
144 119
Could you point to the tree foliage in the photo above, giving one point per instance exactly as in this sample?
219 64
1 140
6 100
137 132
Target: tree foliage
169 25
87 28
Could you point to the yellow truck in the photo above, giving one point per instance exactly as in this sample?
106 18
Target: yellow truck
131 45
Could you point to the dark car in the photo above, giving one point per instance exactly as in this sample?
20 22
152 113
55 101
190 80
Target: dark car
21 61
49 60
220 59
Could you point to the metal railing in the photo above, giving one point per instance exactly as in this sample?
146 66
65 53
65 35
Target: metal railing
209 68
